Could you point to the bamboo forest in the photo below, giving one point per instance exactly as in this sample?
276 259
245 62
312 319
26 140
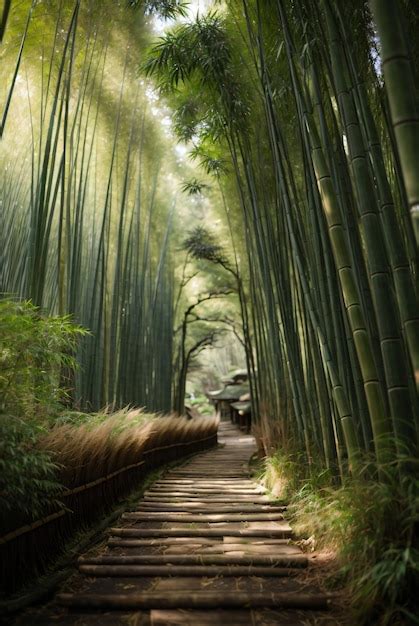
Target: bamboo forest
209 319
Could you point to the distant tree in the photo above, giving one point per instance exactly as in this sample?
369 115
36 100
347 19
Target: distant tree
186 353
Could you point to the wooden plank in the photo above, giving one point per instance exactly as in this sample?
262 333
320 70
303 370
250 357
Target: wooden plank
215 494
115 571
210 472
297 560
207 507
214 465
193 473
207 489
199 600
204 493
196 541
172 541
215 497
283 532
261 525
232 549
255 540
201 618
209 482
216 517
214 490
138 543
209 493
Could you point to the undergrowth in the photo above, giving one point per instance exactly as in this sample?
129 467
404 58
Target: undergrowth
202 404
35 351
371 525
28 474
59 570
46 448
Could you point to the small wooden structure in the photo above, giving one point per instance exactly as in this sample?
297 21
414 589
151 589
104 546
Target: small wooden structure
222 398
236 377
242 413
233 400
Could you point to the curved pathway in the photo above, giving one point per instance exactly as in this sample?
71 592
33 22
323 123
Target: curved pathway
205 546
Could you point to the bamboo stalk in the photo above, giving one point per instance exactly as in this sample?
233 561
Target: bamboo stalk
400 89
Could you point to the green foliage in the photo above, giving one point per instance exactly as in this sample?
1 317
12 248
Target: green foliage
194 187
282 473
201 44
212 165
373 527
118 420
285 110
185 118
36 354
35 350
199 54
201 244
273 88
165 8
202 404
28 482
370 525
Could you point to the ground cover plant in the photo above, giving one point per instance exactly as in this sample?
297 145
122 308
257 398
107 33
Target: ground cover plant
368 526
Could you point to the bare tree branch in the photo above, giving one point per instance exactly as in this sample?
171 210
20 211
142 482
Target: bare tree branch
210 296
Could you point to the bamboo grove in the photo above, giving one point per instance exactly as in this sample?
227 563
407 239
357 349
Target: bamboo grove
304 116
290 107
82 188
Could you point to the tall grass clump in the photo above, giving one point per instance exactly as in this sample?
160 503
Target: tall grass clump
371 527
61 468
367 529
76 471
94 446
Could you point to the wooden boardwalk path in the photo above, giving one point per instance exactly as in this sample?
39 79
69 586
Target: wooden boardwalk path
205 546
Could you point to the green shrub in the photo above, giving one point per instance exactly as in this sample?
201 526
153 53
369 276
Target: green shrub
373 526
28 485
285 473
35 353
202 404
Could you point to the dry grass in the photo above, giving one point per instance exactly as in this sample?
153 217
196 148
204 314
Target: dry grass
100 459
88 452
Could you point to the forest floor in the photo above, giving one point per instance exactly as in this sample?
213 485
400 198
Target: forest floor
204 547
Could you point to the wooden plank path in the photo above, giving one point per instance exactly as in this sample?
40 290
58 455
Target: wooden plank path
205 546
